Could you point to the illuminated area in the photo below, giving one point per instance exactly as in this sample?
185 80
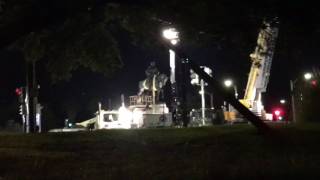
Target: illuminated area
228 83
307 76
282 101
171 34
277 112
174 41
125 117
137 117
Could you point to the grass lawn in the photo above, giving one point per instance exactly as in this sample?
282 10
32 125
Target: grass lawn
226 152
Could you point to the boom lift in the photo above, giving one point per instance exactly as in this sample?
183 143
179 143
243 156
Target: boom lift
260 69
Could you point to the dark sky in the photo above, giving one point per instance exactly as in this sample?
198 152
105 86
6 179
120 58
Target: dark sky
226 62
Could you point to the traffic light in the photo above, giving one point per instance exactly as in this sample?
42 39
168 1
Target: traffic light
278 114
194 78
21 109
18 91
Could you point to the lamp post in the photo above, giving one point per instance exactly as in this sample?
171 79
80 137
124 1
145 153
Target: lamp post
172 35
228 83
307 76
200 82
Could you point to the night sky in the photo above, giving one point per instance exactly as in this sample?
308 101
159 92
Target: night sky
225 61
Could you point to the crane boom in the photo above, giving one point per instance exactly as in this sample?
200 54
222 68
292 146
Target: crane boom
261 60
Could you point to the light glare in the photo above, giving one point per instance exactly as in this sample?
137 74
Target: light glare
307 76
171 34
228 83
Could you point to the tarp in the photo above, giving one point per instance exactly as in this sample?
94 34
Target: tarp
87 122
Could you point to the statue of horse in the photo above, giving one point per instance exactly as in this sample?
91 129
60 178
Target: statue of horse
152 74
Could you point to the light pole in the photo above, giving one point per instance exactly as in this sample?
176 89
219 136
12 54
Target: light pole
229 83
203 101
200 82
172 35
307 76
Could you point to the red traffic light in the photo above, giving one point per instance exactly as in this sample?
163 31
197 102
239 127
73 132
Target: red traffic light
18 91
277 112
314 83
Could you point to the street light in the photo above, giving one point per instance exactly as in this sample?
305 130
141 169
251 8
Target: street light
228 83
172 35
282 101
307 76
200 82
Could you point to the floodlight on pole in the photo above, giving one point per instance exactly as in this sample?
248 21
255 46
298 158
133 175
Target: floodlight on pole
228 83
308 76
171 34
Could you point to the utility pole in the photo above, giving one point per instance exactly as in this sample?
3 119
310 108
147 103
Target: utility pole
33 119
294 118
27 101
203 102
183 92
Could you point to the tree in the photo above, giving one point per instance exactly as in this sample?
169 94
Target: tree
308 106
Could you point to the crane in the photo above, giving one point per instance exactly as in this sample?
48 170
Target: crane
261 60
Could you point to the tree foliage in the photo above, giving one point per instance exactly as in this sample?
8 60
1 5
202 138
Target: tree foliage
86 33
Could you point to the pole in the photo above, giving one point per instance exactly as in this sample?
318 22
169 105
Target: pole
294 118
211 100
174 100
27 101
172 66
235 91
203 101
153 93
35 98
183 92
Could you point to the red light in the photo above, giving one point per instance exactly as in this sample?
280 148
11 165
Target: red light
277 112
314 83
18 91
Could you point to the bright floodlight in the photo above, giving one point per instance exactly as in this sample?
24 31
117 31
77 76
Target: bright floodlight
228 83
282 101
171 34
174 41
307 76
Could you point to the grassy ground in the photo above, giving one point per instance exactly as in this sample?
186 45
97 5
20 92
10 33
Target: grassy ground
195 153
